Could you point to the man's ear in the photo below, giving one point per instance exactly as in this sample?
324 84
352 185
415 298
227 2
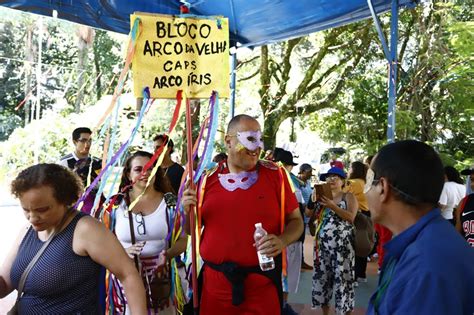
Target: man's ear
227 141
385 189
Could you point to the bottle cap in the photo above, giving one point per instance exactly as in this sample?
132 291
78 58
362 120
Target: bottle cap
258 225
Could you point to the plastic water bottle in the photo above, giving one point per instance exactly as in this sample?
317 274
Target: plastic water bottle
266 263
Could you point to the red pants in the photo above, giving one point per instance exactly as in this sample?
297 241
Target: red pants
261 296
384 236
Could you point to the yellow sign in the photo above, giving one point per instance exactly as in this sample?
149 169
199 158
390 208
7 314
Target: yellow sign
189 54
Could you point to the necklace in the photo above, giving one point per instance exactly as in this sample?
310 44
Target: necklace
242 180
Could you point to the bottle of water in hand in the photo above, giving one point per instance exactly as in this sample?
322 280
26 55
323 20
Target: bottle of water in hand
266 263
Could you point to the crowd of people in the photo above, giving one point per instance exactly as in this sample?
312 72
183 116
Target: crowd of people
421 212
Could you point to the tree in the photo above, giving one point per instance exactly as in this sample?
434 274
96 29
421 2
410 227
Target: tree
62 84
326 61
106 62
435 87
10 79
85 38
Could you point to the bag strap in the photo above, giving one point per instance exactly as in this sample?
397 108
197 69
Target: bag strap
24 275
132 236
343 198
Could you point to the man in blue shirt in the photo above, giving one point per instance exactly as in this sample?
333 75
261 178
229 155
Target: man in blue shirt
304 175
428 267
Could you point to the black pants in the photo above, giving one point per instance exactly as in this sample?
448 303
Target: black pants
361 262
360 267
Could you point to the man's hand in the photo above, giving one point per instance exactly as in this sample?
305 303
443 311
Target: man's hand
270 245
189 199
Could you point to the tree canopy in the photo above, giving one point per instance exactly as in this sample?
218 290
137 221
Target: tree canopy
333 82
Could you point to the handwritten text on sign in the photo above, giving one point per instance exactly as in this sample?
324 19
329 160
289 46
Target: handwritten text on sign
188 54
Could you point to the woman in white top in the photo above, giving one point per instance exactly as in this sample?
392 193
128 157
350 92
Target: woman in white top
151 220
453 191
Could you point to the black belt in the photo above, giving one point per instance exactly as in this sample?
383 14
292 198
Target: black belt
236 276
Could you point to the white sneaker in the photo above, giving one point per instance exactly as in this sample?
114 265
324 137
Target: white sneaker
362 280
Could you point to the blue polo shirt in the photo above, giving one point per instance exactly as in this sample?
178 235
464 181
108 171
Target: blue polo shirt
428 269
307 190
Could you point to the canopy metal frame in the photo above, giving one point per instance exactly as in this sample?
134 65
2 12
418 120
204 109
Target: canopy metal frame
390 53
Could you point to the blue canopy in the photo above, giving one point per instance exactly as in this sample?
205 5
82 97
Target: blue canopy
252 22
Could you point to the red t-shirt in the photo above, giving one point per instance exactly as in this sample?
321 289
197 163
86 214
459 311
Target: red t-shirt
229 218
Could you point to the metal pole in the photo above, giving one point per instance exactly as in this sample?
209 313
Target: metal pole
392 83
378 27
391 56
232 85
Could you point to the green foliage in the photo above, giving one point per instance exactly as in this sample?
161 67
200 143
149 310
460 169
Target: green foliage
11 92
106 62
435 88
59 73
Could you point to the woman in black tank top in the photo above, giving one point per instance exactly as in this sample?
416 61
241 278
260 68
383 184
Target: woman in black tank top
65 278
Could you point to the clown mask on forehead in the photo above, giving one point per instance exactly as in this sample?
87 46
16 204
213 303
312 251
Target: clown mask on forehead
251 140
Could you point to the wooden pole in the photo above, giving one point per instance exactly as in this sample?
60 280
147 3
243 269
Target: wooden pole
192 216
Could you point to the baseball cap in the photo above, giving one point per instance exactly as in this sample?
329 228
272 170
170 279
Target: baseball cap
305 167
286 158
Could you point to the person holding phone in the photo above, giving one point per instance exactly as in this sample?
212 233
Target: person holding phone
334 244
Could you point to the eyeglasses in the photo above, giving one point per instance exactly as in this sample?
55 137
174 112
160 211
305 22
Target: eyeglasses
370 181
141 229
83 140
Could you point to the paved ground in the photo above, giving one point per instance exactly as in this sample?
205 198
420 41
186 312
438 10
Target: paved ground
301 301
11 220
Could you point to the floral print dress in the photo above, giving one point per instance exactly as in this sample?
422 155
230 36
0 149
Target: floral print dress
334 258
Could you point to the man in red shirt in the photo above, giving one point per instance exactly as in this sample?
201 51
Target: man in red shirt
241 192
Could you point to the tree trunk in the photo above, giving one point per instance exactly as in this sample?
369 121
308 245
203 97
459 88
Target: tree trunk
98 83
29 56
270 129
85 36
278 104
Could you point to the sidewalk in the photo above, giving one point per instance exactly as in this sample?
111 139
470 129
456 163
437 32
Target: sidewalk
301 301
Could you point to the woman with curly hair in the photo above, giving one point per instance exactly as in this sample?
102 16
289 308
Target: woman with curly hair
65 277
